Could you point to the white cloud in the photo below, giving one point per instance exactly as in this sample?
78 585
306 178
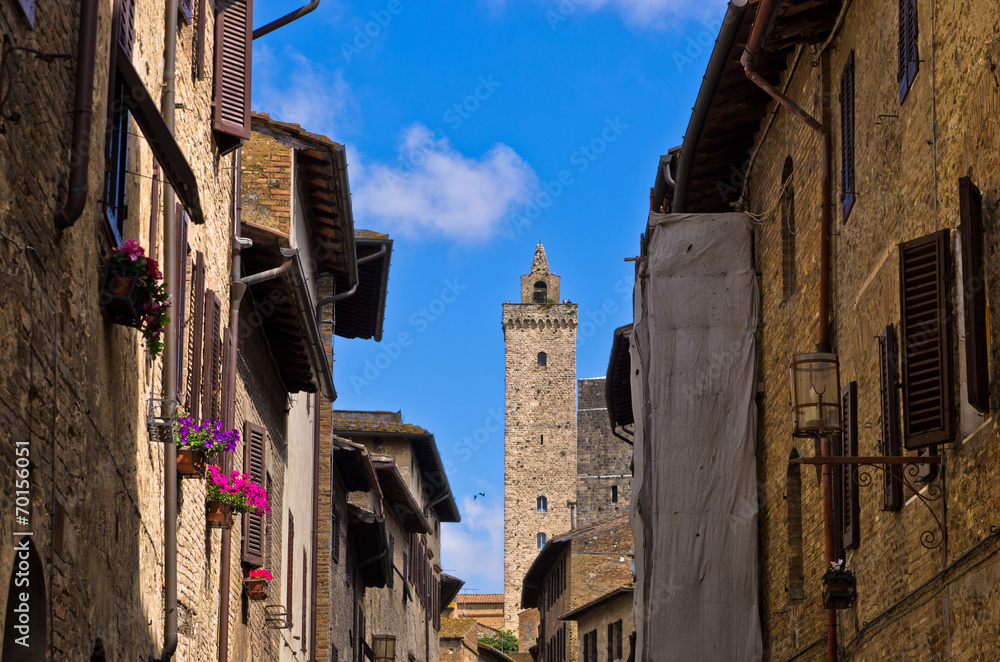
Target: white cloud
439 191
473 549
656 14
292 88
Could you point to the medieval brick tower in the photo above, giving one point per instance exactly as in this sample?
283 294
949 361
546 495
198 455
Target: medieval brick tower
540 433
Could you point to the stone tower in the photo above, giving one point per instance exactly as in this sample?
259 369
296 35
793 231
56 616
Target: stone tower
540 435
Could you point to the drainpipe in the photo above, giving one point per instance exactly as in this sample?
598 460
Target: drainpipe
285 20
83 101
170 355
354 288
237 289
766 15
314 569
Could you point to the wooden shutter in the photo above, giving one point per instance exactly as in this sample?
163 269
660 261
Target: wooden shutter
195 338
925 348
229 379
851 530
348 563
392 560
291 569
211 367
180 308
974 295
847 136
335 533
618 639
231 95
126 25
893 473
255 464
611 641
906 47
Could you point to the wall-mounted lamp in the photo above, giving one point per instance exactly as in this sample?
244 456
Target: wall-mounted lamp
815 384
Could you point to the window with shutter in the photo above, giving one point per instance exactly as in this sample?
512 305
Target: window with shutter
185 8
392 559
335 534
255 464
618 639
291 567
195 338
851 532
348 563
181 309
114 201
925 349
233 49
893 473
906 49
847 193
211 367
611 642
229 379
207 346
977 367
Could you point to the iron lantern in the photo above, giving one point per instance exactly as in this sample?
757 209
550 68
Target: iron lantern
815 384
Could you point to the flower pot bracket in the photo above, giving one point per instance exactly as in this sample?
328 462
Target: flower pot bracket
276 617
840 594
256 588
161 418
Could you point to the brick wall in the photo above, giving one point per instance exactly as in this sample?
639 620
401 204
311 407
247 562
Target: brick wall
907 181
267 182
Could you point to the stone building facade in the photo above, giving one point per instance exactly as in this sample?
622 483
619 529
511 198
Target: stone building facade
603 461
604 626
540 424
908 95
75 385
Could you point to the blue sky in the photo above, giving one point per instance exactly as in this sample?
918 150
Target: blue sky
476 129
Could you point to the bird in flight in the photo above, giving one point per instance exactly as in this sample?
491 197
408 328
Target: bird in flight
481 494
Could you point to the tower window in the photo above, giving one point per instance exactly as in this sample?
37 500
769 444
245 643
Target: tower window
542 439
542 504
541 291
540 540
614 494
542 358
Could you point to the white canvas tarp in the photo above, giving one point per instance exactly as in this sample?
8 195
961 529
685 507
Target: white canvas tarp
694 514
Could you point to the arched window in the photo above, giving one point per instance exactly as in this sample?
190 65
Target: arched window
542 504
787 231
793 503
542 358
540 540
27 565
541 291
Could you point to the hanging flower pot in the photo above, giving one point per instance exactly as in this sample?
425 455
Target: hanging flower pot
198 441
257 584
190 462
839 586
121 298
132 294
218 515
236 491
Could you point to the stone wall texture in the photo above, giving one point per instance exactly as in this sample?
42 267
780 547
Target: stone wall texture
539 435
914 603
603 461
